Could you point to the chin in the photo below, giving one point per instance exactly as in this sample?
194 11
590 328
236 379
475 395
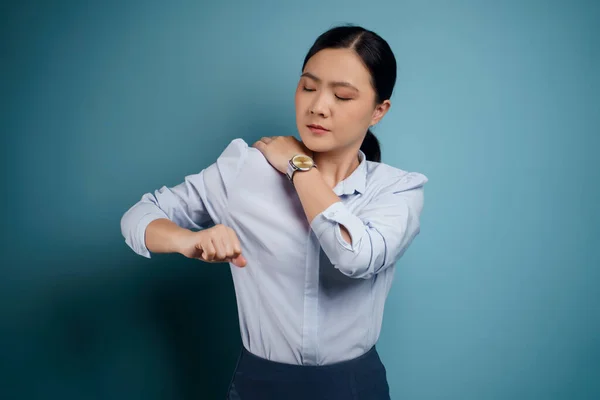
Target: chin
317 145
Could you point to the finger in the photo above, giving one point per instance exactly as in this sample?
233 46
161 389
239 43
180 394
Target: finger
226 246
237 259
196 252
240 261
220 252
235 244
208 251
234 249
266 139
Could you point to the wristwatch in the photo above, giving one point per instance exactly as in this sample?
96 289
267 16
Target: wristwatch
300 162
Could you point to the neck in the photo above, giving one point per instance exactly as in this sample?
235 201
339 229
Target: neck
336 166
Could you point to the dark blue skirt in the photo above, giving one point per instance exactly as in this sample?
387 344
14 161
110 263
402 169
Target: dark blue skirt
361 378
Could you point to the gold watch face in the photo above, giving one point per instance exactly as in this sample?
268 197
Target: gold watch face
302 161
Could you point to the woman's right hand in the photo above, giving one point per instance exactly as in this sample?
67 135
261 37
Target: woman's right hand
217 244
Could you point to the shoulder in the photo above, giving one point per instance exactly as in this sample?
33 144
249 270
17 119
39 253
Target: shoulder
246 172
238 152
238 157
385 177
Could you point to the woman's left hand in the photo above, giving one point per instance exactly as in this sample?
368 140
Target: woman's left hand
278 150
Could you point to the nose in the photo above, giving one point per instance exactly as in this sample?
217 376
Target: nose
319 106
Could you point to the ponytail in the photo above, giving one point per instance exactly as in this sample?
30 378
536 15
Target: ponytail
370 146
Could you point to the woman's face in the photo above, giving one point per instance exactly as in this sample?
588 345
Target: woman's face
335 92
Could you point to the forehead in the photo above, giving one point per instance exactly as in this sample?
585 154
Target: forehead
339 65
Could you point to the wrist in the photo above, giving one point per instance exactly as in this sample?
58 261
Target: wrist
181 240
302 175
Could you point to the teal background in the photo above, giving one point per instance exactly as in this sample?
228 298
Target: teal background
497 102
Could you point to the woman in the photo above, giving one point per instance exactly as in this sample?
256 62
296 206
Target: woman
311 229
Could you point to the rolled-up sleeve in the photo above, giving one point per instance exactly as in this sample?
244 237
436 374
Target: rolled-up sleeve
199 202
380 232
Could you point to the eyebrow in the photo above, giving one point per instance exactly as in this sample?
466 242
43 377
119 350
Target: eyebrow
335 83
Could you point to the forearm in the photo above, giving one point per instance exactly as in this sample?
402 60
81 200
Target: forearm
164 236
316 196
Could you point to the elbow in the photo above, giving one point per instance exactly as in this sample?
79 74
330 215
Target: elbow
372 255
371 263
134 222
358 258
355 271
129 229
130 219
358 261
126 224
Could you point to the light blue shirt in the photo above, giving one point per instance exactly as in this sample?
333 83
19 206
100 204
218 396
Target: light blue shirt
306 296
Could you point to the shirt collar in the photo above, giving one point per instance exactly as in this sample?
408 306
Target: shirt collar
357 180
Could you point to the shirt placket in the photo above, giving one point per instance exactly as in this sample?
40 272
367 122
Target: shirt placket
311 305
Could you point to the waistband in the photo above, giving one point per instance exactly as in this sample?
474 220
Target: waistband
252 365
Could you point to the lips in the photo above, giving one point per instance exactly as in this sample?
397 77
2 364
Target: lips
317 127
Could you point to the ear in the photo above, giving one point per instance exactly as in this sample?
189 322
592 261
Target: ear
380 111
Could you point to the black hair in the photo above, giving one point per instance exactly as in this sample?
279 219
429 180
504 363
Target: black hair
376 55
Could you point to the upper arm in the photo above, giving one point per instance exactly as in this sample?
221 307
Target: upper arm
201 198
393 222
219 179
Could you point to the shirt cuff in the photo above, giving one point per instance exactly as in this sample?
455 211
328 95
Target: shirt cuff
138 242
335 215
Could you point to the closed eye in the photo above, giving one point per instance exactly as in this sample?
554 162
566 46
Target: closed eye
338 97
